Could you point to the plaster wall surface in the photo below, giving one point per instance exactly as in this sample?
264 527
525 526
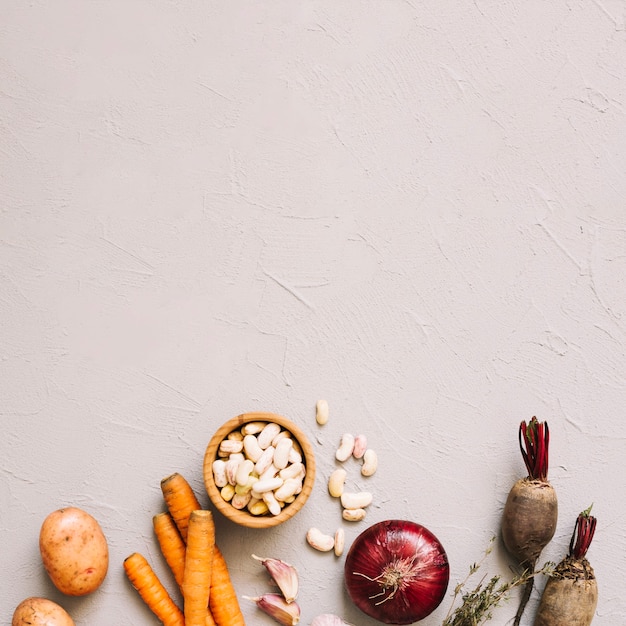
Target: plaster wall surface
413 210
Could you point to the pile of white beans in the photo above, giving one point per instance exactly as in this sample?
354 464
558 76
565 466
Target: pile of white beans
259 467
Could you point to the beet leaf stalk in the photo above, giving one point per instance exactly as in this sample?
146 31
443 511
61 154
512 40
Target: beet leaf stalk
570 596
531 509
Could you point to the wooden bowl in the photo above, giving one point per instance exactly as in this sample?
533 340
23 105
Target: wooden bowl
242 516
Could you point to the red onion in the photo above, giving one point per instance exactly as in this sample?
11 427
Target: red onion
397 572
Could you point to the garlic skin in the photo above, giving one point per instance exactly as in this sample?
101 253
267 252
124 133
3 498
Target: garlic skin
284 575
287 614
327 619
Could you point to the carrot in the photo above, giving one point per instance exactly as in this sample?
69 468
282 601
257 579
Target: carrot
570 596
223 598
171 544
531 509
153 593
198 567
180 500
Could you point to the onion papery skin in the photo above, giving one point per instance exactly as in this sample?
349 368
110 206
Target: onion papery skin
408 550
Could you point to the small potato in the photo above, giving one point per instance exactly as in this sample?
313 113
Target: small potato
40 612
74 551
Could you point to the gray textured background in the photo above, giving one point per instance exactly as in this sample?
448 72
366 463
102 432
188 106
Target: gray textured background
413 211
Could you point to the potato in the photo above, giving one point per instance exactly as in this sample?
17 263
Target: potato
74 551
40 612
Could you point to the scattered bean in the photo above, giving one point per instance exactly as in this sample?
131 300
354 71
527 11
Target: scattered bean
340 539
353 515
346 447
360 445
356 500
336 482
370 463
320 541
321 412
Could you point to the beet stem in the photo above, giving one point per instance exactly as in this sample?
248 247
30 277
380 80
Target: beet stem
534 440
584 530
528 588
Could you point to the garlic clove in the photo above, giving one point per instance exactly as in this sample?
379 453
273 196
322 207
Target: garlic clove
278 608
283 574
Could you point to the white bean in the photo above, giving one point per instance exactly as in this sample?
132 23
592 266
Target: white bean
340 540
292 471
219 473
321 412
360 445
370 463
336 482
272 503
268 484
346 446
289 488
252 428
240 500
320 541
295 456
265 460
281 454
230 446
356 500
353 515
257 506
251 448
265 437
231 466
243 471
270 472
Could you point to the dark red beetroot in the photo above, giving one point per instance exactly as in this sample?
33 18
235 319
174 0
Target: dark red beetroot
570 596
397 572
531 509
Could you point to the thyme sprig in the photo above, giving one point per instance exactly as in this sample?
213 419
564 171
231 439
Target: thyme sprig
478 603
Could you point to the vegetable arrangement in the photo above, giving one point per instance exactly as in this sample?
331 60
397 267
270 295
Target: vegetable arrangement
396 571
186 536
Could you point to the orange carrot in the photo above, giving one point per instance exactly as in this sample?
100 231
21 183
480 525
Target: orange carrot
153 593
171 544
223 598
198 567
180 500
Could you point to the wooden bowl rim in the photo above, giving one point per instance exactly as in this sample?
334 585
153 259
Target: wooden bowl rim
243 517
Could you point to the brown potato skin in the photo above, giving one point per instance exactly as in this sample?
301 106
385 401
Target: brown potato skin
74 551
40 612
567 602
529 519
